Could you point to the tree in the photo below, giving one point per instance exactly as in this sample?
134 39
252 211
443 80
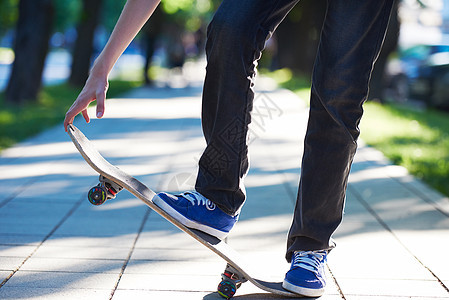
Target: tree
31 46
299 34
84 44
151 32
8 15
377 83
66 14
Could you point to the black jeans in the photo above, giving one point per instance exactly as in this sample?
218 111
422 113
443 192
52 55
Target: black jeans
351 39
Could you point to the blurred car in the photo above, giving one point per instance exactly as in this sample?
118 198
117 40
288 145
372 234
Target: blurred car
421 72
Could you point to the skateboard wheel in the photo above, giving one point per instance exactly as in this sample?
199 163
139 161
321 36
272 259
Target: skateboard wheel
227 288
97 195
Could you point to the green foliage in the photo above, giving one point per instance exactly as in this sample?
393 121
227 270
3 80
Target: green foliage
173 6
415 139
110 13
20 122
8 14
190 14
192 7
299 84
66 13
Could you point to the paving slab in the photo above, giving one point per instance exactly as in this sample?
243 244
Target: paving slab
54 244
38 293
73 265
71 280
21 239
391 288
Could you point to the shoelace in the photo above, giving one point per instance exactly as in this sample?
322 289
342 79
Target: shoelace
195 196
309 260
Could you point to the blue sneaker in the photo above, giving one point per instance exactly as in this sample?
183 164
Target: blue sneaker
195 211
306 276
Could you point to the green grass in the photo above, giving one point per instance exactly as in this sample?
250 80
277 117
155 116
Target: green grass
20 122
285 78
415 139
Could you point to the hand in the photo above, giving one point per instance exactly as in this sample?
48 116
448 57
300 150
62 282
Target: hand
133 17
95 89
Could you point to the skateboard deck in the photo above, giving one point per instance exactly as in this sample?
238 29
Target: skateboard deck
112 180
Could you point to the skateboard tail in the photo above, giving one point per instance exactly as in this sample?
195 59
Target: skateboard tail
139 190
93 157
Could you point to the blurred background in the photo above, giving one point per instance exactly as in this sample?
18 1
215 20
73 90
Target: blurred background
47 48
55 41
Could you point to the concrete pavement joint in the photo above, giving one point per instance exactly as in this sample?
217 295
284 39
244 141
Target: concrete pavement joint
142 225
340 291
71 211
386 227
18 192
421 195
158 262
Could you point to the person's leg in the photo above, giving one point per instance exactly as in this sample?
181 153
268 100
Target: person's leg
351 39
236 37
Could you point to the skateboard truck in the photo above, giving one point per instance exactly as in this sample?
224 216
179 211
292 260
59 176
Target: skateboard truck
231 280
105 190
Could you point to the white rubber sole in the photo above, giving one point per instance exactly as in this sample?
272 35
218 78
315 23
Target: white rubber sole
188 223
301 290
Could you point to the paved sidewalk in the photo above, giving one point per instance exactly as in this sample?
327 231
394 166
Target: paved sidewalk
55 245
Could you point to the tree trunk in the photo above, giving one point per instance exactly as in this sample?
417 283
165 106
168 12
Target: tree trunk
377 84
84 44
33 32
299 34
151 32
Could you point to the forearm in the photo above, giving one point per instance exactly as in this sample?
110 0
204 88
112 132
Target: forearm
134 15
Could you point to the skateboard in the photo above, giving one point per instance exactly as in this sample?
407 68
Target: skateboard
112 180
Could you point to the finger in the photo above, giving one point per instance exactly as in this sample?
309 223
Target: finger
66 123
68 118
100 104
86 116
74 110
